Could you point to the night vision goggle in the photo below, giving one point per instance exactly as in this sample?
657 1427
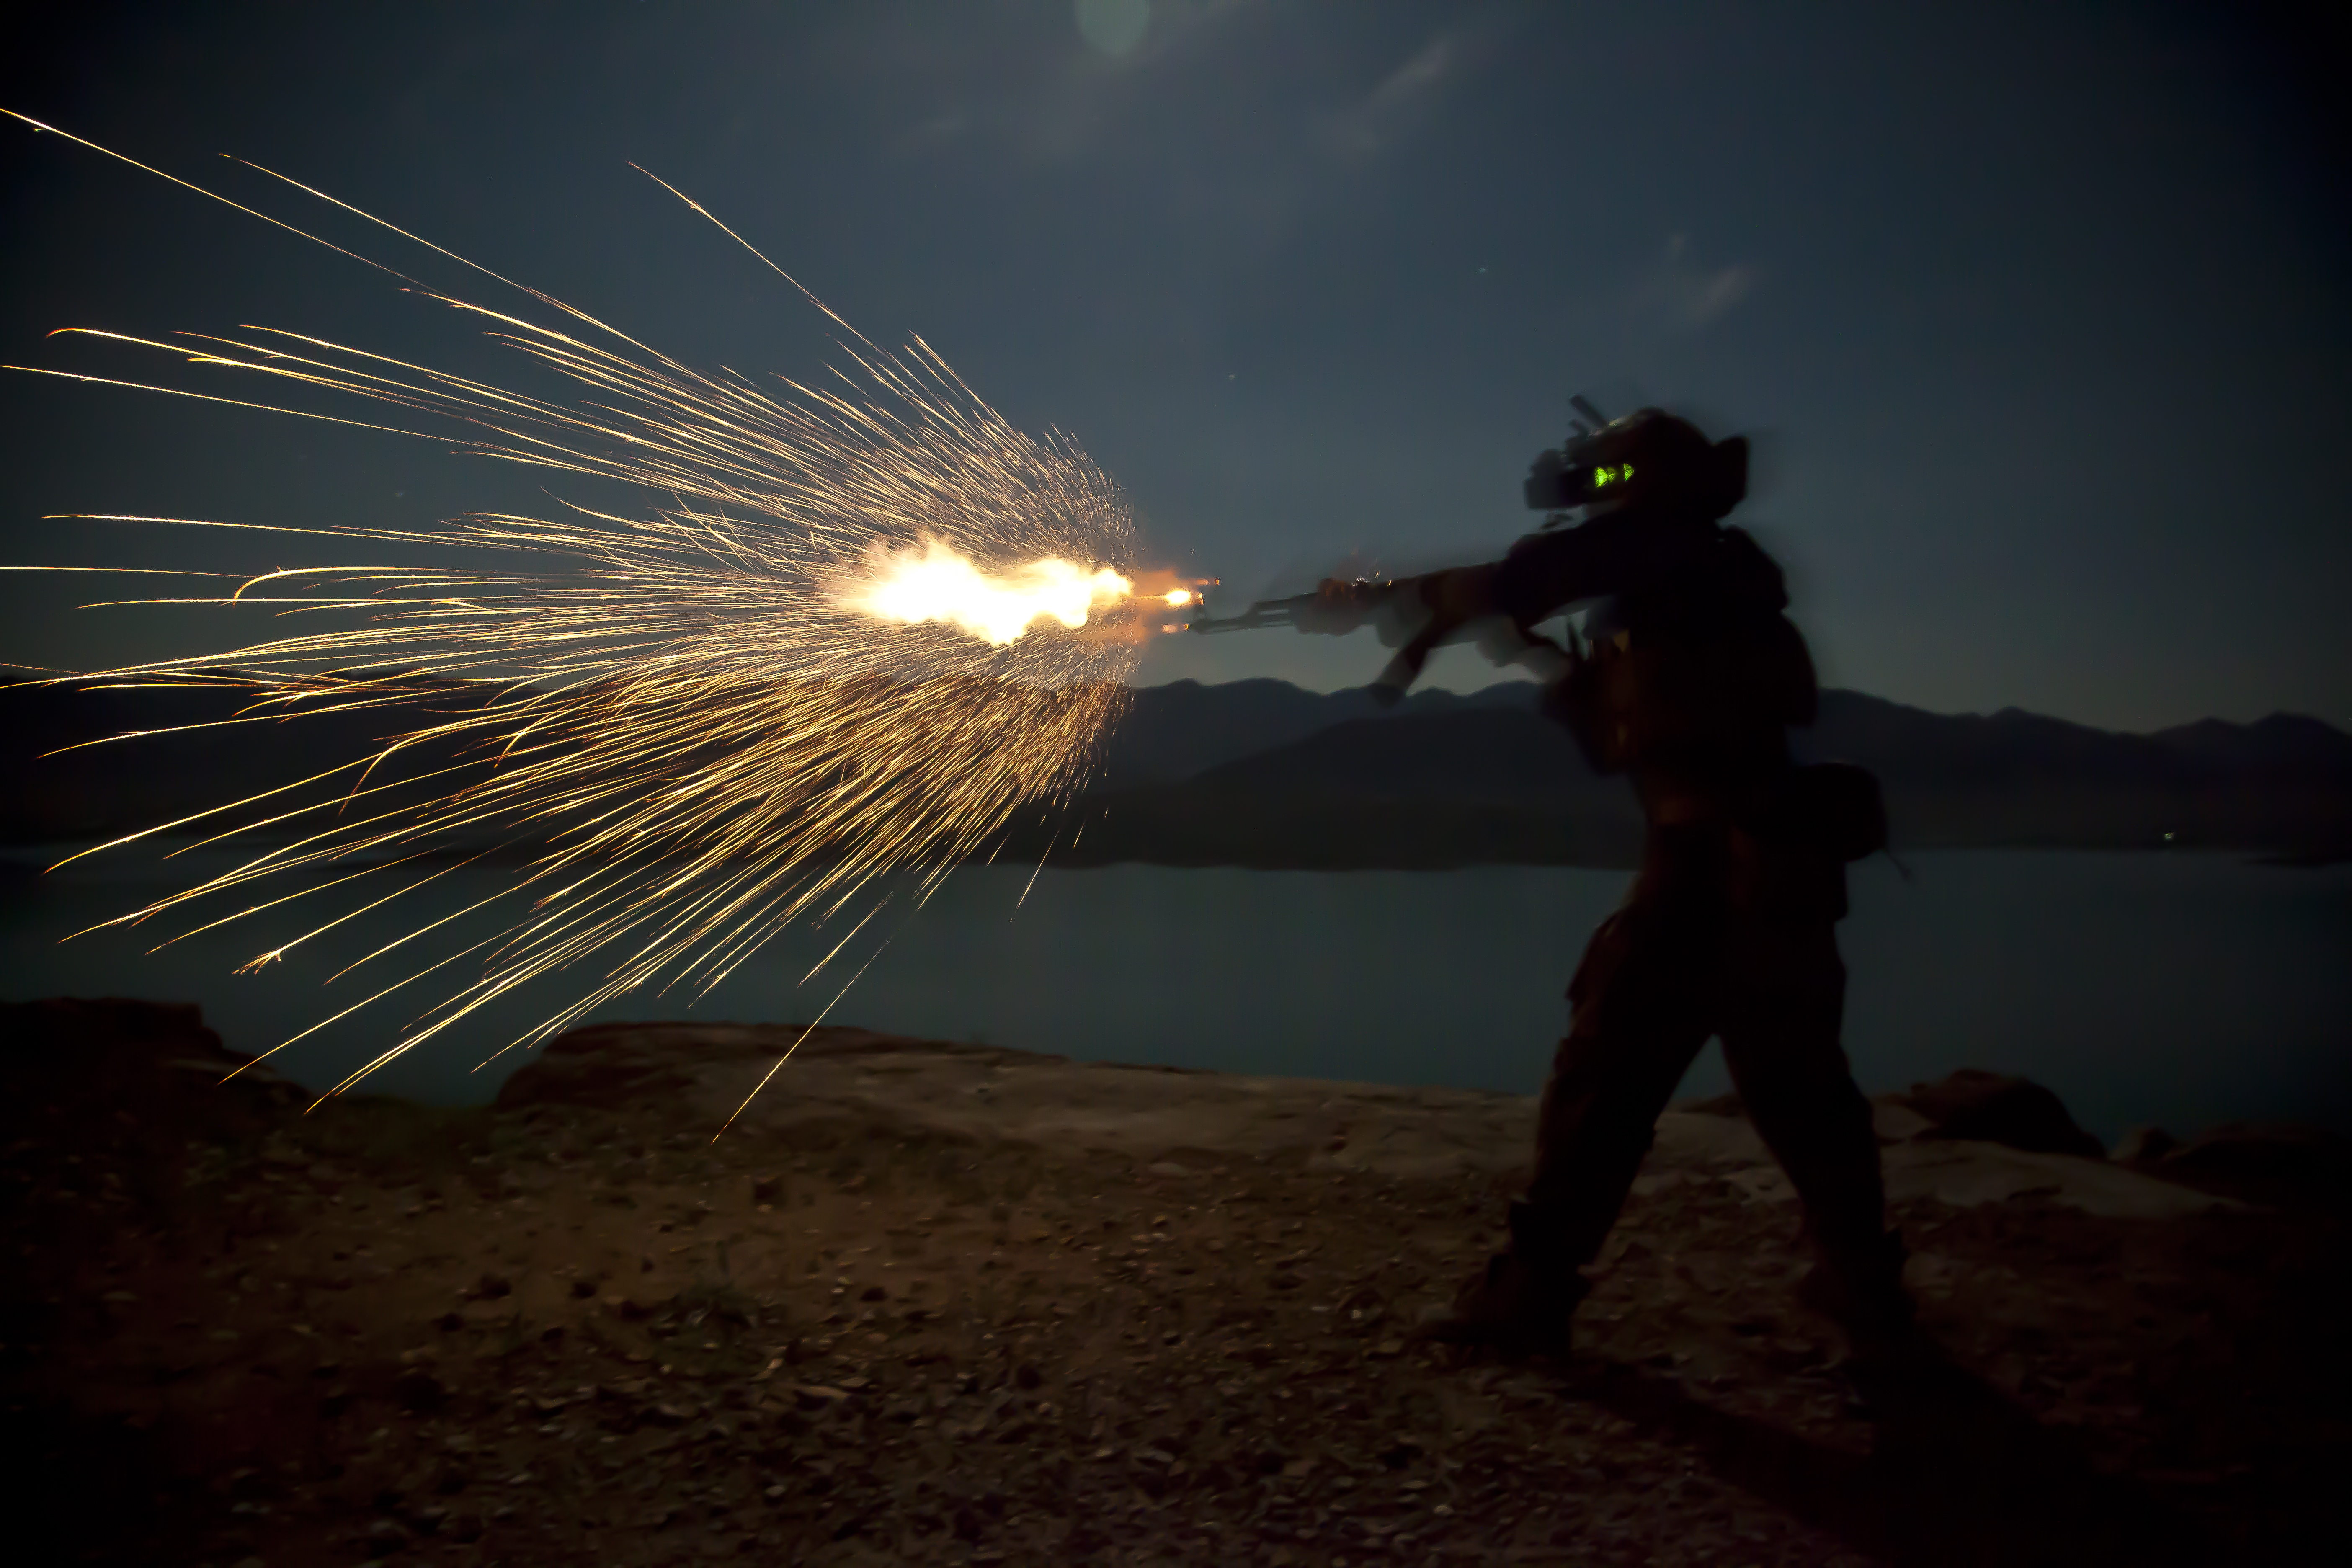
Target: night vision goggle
1597 464
1555 484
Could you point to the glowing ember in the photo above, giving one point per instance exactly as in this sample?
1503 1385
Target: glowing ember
682 725
933 582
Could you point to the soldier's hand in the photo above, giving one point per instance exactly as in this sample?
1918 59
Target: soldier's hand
1448 606
1338 607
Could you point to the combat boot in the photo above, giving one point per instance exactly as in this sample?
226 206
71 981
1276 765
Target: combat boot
1860 1289
1888 1361
1520 1303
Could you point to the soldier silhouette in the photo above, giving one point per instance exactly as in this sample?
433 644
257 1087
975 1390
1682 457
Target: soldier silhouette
1687 680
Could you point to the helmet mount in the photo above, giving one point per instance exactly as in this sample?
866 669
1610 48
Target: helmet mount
1648 458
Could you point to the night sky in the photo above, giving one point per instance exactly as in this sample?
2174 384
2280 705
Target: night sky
2038 312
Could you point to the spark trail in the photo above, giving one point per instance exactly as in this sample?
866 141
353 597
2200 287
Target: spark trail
853 630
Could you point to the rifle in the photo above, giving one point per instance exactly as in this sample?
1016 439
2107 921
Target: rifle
1336 607
1647 458
1415 615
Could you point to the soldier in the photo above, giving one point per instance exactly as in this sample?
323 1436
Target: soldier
1692 678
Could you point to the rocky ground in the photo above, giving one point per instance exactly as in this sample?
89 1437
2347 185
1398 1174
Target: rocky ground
952 1304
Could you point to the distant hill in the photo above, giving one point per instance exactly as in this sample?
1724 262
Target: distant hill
1241 774
1180 729
1260 772
2282 785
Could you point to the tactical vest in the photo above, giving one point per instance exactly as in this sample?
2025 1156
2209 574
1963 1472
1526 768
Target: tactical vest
1703 665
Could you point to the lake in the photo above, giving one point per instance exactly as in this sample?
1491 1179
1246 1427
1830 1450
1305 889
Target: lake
2182 990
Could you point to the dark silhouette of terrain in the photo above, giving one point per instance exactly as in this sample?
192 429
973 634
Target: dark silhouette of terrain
1260 772
929 1302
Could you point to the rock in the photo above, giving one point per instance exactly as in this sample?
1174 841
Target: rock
1896 1120
817 1395
116 1062
2143 1146
1967 1174
419 1391
1994 1107
1961 1173
1892 1117
2282 1164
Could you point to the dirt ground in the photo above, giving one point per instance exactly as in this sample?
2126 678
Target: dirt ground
938 1304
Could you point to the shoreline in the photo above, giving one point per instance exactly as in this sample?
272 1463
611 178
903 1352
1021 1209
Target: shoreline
961 1305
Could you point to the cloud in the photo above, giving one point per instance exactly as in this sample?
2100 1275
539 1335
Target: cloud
1415 76
1687 295
1379 119
1114 27
1051 95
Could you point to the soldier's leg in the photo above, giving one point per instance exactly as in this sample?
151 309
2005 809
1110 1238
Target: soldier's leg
1783 1006
1643 1004
1639 1015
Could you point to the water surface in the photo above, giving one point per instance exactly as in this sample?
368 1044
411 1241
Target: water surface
2178 989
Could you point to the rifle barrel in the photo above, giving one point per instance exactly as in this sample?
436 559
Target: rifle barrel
1264 613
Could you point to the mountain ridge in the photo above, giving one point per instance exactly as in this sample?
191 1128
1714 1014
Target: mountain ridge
1263 772
1485 778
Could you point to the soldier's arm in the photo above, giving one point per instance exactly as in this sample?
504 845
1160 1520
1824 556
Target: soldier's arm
1546 573
1542 573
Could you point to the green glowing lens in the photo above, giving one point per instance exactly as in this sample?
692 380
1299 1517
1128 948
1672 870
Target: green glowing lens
1626 475
1601 477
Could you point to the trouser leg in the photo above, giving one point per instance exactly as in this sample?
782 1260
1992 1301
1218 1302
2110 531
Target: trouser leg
1785 997
1641 1001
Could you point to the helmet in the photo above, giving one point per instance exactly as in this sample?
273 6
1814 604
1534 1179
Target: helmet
1648 458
